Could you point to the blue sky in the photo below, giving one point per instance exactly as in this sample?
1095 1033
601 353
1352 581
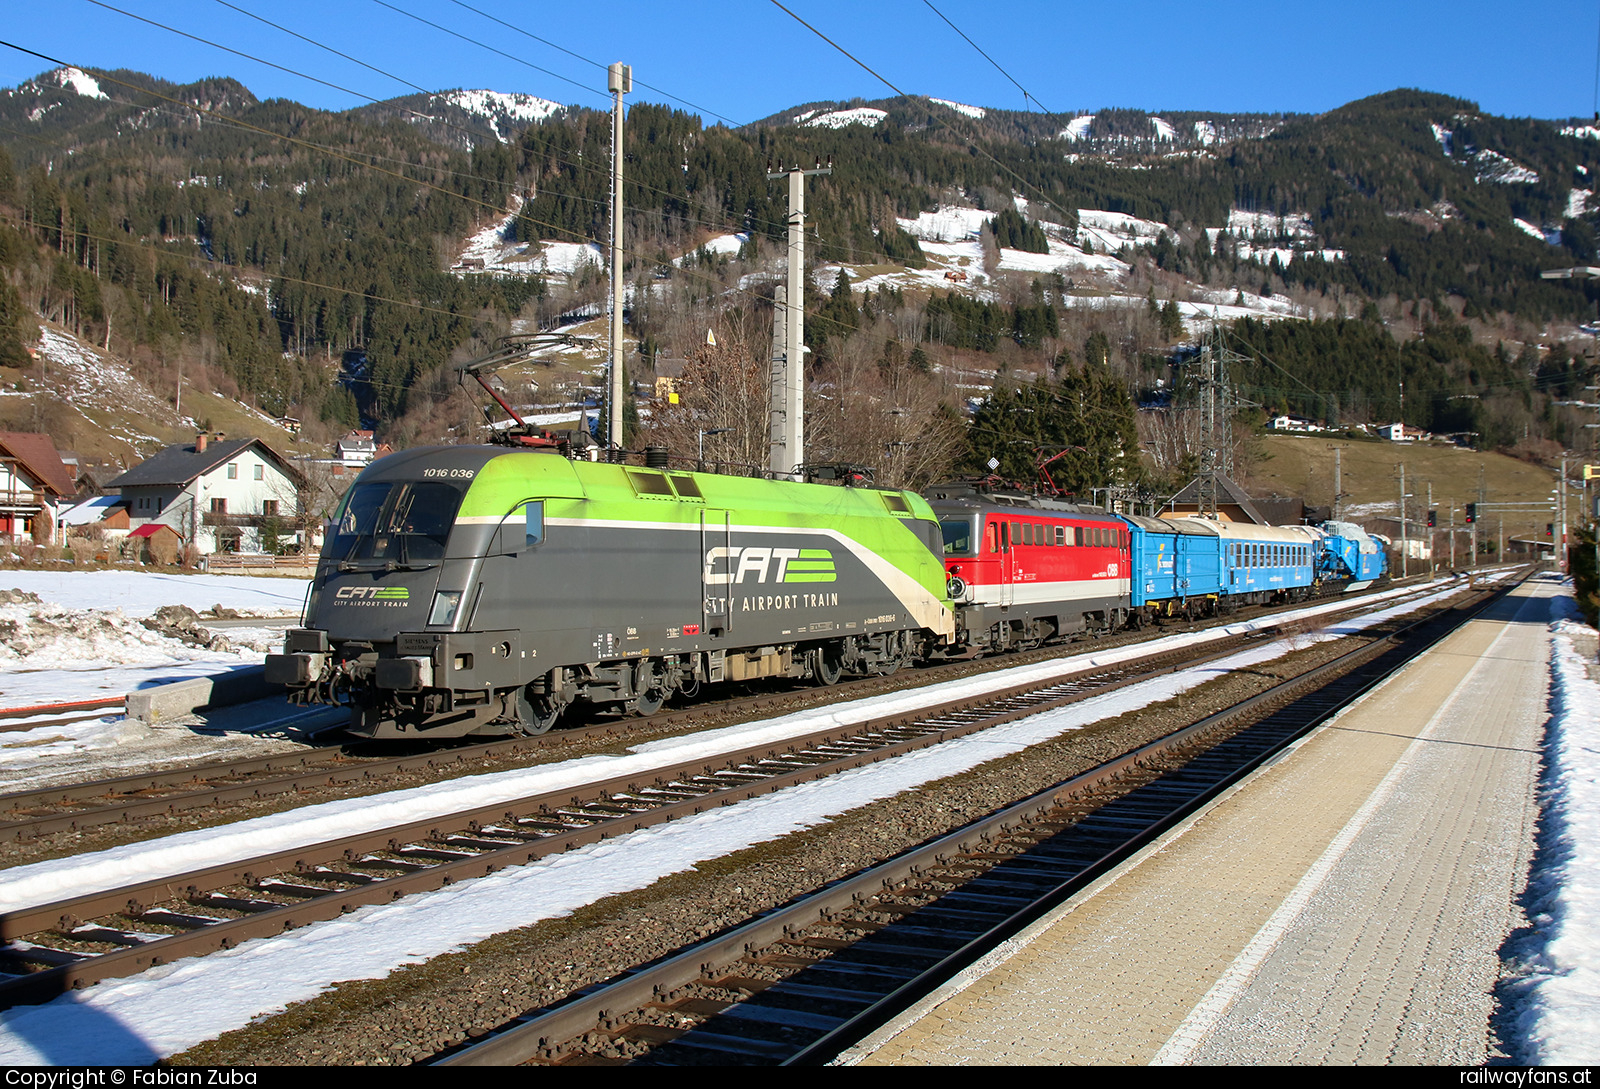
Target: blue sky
740 60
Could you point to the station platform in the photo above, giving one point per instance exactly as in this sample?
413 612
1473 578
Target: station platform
1343 905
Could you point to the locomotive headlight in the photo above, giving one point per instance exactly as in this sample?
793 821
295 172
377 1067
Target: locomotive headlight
445 604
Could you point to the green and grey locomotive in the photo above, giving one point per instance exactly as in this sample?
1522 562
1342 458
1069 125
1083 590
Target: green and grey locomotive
480 590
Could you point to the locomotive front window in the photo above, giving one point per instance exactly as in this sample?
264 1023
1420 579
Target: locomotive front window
957 536
398 523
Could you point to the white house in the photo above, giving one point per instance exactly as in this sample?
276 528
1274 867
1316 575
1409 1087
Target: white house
356 448
217 494
1288 422
33 483
1395 432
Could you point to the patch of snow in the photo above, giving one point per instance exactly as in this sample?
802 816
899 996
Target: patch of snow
1250 224
838 119
1582 132
498 107
1495 167
950 223
1529 229
1110 231
1205 132
976 112
1065 259
1554 967
1164 129
1578 202
79 81
723 244
1077 128
1443 135
568 257
88 378
86 641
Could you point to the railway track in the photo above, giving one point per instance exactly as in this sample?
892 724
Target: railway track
213 787
800 984
71 943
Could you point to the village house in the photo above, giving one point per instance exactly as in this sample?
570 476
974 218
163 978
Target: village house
217 494
33 483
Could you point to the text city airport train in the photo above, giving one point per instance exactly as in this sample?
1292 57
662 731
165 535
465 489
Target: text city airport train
482 590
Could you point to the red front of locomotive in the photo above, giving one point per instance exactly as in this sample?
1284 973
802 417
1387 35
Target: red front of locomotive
1025 573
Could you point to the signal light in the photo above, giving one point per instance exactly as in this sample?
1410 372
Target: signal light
1433 518
1549 529
1472 512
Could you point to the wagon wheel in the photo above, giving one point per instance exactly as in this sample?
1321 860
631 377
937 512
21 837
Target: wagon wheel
651 687
825 667
536 712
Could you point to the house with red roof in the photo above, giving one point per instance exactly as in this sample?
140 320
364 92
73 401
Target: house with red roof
33 483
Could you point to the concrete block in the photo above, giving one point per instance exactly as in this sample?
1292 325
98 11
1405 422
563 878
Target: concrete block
168 701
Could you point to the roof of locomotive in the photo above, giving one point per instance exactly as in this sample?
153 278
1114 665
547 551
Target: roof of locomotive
559 476
967 498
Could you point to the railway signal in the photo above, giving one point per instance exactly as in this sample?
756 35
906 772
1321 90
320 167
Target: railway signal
1433 519
1472 512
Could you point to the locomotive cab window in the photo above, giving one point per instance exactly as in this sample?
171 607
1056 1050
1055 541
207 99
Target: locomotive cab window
957 536
394 522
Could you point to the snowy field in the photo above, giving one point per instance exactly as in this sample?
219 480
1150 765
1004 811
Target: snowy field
174 1007
85 641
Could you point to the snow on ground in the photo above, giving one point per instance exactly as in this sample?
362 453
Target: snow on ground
1225 306
1164 129
1065 259
173 1007
723 244
1113 230
1205 132
567 257
1443 135
976 112
1578 202
951 223
493 245
1537 232
141 593
92 379
1495 167
85 642
1553 999
838 119
1078 127
1250 224
495 106
79 81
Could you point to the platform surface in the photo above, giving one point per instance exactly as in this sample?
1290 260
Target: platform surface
1344 905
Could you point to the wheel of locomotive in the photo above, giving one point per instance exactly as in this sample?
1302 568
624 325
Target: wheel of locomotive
825 666
650 686
536 712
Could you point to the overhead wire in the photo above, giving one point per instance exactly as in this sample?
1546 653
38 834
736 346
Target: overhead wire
469 132
597 64
339 154
1026 97
357 162
972 145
